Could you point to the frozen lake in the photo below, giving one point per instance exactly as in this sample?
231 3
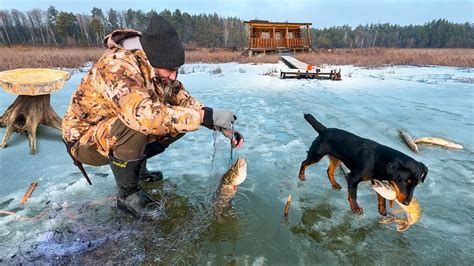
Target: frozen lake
67 220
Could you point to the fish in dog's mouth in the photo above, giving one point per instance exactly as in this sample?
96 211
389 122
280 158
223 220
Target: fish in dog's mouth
400 196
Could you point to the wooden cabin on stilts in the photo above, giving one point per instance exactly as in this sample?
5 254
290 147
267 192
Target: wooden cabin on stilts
284 38
278 37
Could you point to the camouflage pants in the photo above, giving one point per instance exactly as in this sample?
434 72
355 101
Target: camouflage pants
129 145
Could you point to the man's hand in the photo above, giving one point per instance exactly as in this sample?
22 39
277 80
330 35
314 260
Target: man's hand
222 120
217 118
236 138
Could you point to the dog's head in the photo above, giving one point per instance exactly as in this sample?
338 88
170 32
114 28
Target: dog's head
404 176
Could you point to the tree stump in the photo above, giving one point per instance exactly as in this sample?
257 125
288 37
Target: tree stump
32 107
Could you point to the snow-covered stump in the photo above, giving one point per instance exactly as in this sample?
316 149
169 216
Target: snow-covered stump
32 107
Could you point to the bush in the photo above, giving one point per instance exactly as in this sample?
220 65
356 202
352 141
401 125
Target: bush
216 71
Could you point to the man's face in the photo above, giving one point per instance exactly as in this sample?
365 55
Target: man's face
165 73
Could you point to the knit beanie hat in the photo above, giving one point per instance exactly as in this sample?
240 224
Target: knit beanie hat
161 44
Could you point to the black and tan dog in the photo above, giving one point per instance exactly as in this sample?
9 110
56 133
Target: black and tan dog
367 160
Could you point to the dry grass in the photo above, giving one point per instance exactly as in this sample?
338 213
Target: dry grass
210 56
16 57
376 57
373 57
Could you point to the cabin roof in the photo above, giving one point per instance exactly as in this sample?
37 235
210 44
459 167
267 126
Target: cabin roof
266 23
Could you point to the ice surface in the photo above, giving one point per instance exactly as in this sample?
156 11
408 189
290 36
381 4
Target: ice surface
373 103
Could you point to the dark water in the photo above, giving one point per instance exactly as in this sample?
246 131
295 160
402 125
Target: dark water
77 223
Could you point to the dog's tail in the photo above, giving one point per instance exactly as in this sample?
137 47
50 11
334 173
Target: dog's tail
314 123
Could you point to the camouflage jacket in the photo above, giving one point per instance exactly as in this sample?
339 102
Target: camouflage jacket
122 85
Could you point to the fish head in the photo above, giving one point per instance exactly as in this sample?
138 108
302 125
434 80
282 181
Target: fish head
236 174
404 176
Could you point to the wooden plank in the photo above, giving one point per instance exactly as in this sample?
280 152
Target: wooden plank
295 62
28 193
296 73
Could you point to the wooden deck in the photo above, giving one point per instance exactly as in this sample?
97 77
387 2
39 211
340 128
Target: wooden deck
294 63
300 69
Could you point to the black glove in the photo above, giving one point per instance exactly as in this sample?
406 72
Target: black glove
236 138
218 118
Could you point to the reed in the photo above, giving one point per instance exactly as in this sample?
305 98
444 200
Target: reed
376 57
20 56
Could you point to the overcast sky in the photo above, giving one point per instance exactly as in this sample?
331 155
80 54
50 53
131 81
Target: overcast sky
320 13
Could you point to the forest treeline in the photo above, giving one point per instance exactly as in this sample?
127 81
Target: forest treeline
59 28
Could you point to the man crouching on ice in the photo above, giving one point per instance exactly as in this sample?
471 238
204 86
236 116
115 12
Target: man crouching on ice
129 107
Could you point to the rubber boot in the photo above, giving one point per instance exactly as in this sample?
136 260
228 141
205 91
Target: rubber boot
152 149
149 177
131 198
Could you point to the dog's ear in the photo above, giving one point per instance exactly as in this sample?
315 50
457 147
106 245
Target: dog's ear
424 172
393 167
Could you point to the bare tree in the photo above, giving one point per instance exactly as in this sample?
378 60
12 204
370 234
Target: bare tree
226 32
84 21
4 21
18 25
375 38
38 20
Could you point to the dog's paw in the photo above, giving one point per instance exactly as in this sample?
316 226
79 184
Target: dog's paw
336 186
302 177
357 210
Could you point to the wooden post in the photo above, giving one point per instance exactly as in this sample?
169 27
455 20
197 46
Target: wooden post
287 39
309 35
274 39
250 36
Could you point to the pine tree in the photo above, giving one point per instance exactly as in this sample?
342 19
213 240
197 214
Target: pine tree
113 22
211 30
67 27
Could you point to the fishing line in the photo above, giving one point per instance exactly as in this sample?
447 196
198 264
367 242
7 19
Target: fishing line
181 240
232 138
214 135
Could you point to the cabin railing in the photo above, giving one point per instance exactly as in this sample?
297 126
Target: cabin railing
296 42
280 43
261 43
266 43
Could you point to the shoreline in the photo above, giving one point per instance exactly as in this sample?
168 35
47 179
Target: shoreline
75 57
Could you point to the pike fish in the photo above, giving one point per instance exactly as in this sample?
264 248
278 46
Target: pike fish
413 215
408 140
228 185
412 211
438 141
